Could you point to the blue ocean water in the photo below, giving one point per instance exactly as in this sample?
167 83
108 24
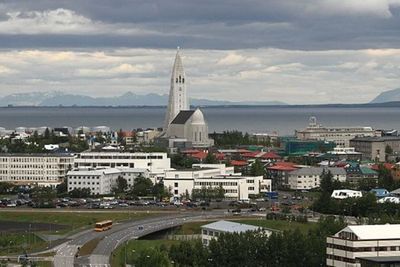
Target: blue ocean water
284 120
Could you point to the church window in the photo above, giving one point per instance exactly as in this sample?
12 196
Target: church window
195 136
183 80
176 80
180 78
199 136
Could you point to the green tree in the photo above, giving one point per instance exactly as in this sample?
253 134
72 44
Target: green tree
152 257
62 188
121 186
142 186
257 168
210 158
80 193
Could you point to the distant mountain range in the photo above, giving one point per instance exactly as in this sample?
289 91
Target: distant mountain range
56 98
387 96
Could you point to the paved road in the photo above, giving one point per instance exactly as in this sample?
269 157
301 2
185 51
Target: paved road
101 254
65 253
111 239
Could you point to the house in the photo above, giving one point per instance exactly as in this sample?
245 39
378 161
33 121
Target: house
356 244
213 230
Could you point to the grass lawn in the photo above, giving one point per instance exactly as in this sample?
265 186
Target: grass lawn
194 227
16 243
74 220
134 247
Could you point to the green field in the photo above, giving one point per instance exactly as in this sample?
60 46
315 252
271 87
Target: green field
133 247
17 243
74 221
11 243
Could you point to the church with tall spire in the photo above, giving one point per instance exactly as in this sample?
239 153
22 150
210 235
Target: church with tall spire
183 127
178 98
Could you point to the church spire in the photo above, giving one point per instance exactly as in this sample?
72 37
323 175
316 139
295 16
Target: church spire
178 98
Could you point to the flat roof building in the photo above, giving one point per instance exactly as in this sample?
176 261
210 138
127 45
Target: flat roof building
355 243
213 230
35 169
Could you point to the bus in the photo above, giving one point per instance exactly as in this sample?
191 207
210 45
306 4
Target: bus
103 226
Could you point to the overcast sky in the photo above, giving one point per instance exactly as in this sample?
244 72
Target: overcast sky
296 51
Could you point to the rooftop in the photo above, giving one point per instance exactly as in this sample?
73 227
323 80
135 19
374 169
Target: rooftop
230 227
182 117
374 232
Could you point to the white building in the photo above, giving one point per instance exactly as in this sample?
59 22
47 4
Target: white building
178 98
213 230
180 121
35 169
340 135
310 177
157 163
355 243
102 181
236 186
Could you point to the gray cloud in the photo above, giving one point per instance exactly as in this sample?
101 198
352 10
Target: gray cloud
297 51
233 24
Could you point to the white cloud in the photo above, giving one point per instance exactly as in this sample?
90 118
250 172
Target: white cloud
61 21
234 58
289 76
122 69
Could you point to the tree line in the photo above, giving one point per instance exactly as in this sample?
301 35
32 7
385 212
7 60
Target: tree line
290 249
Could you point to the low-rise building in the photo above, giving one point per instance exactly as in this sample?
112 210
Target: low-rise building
310 177
102 181
236 186
213 230
357 173
35 169
349 246
157 163
374 148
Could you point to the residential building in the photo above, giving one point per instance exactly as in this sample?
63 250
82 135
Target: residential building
102 181
156 162
213 230
236 186
374 148
341 136
35 169
357 243
356 173
310 177
279 171
147 136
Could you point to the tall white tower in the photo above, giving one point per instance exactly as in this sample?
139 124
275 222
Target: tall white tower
178 98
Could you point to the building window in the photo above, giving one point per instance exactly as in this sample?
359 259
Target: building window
175 184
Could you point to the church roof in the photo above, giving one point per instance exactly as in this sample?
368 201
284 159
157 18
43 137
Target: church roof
182 117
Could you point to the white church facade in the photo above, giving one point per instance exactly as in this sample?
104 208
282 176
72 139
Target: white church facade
183 125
